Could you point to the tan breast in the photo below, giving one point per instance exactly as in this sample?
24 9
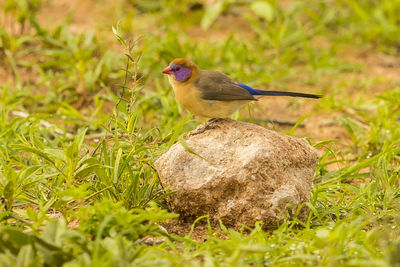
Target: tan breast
190 98
186 94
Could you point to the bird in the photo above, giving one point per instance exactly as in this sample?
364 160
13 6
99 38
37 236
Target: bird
212 94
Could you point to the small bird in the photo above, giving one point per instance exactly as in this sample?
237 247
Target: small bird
212 94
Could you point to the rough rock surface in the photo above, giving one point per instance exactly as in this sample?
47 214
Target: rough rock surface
245 173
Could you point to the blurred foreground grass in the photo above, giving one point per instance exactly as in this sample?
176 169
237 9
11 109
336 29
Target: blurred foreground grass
82 120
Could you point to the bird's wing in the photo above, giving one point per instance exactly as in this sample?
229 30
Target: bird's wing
218 86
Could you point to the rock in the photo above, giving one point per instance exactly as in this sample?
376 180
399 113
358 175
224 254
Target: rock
242 173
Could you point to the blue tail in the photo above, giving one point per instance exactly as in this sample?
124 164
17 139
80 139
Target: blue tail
277 93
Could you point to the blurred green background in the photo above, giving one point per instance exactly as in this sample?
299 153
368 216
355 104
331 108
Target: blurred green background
85 112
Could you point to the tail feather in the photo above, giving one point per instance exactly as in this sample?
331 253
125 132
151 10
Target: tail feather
283 93
276 93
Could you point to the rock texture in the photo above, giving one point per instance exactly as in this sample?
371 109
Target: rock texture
242 173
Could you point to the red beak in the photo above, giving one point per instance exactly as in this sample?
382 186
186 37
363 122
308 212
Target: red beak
167 70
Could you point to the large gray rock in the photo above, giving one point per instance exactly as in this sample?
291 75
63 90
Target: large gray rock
245 173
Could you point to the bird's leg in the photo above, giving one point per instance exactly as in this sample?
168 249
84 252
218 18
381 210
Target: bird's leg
211 121
207 126
286 123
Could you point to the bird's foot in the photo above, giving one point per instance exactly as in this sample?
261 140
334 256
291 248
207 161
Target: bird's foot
286 123
208 126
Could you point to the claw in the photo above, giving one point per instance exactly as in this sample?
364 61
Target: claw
207 126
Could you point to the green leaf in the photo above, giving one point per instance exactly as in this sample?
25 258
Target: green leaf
211 14
56 153
13 239
116 165
188 149
27 173
263 9
81 137
34 151
83 172
9 190
71 151
25 256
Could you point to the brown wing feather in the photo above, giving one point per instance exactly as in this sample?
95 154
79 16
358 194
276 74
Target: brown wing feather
218 86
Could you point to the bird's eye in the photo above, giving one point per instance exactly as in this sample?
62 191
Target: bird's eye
177 68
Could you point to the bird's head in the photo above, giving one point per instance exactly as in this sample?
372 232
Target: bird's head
182 69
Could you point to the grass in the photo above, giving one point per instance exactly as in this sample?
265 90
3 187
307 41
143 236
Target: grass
84 115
